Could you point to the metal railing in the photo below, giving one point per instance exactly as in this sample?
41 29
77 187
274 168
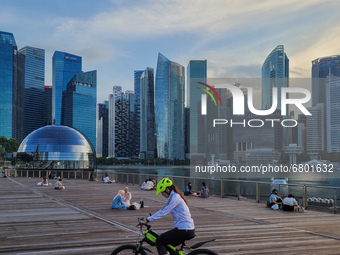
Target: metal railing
240 189
64 174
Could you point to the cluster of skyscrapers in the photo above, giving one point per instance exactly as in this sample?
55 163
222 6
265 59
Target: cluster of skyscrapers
149 122
27 104
162 117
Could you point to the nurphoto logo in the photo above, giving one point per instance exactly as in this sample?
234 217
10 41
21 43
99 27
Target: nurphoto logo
238 104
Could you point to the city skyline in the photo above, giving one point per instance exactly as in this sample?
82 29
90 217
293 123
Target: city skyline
234 37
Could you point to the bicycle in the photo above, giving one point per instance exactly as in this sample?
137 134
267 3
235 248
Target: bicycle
150 237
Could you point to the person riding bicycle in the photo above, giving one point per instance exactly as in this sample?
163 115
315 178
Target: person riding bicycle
177 205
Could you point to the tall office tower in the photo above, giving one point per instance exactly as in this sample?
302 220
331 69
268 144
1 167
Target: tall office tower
117 95
48 105
117 92
79 104
121 112
111 127
275 73
12 70
320 69
147 115
64 67
187 132
137 75
34 88
169 108
333 113
315 132
131 144
102 129
196 72
213 141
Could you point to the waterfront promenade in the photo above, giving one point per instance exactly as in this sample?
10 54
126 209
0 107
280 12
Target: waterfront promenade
79 220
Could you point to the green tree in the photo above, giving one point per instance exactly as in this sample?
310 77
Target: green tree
2 152
13 145
10 145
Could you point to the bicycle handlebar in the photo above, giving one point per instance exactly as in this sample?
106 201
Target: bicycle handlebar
141 225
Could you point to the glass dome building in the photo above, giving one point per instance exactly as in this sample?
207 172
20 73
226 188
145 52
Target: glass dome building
56 147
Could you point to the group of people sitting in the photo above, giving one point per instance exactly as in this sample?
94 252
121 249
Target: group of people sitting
287 204
204 192
148 184
123 201
58 185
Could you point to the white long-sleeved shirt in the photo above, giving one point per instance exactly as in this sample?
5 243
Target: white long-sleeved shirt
179 211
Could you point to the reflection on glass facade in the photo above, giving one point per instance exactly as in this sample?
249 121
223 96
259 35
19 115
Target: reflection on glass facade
79 104
169 108
275 73
320 70
56 147
34 88
11 85
147 115
64 67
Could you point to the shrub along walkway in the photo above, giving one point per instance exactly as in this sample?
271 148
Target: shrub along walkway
79 220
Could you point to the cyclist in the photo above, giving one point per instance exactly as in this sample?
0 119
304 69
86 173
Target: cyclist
177 205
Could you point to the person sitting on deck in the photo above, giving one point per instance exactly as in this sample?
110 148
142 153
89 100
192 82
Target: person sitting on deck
107 179
204 191
290 204
188 189
274 198
149 185
44 182
143 185
127 197
117 202
59 184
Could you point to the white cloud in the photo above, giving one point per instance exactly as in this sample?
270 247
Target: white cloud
324 44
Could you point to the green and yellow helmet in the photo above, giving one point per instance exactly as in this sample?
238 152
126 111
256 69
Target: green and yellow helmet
163 184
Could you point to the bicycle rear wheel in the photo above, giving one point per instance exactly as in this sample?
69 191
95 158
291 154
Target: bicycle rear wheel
202 251
128 249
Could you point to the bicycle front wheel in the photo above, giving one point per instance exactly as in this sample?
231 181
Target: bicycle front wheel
128 249
202 251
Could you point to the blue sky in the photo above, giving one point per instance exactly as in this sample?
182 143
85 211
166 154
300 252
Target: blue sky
117 37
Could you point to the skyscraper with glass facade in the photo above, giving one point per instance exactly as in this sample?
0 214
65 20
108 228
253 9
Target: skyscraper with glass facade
79 104
48 105
137 85
64 67
320 70
169 108
196 72
315 130
275 73
333 113
102 129
12 88
113 118
147 115
34 88
121 123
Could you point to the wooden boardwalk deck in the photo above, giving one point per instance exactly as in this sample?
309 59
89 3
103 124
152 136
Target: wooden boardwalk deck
79 220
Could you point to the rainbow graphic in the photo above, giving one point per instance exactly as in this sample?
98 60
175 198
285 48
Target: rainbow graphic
209 93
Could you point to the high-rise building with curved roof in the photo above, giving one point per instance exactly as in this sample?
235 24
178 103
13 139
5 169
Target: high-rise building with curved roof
275 73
